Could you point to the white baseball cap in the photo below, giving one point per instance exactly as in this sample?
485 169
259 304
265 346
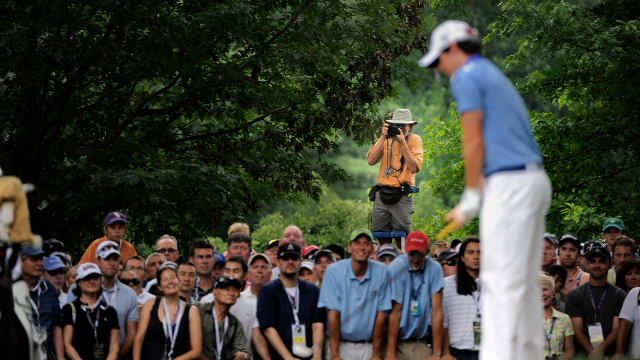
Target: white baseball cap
307 265
87 269
107 248
445 34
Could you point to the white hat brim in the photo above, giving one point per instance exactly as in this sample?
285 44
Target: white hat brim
429 57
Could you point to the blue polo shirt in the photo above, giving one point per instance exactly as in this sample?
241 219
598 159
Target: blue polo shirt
45 299
427 281
125 302
274 310
358 301
479 85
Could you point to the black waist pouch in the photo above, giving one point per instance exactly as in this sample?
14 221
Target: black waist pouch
390 195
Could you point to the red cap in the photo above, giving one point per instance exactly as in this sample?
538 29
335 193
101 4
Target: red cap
309 249
417 240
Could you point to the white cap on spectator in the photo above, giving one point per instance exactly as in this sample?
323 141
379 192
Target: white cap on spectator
307 265
87 269
107 248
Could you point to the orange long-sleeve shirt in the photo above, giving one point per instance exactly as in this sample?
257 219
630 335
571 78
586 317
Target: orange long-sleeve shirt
126 250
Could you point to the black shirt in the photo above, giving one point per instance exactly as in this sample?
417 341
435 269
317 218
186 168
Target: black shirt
579 306
83 337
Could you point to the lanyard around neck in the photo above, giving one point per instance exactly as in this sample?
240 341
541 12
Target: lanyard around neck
295 305
170 331
220 340
113 296
595 316
548 336
478 301
94 326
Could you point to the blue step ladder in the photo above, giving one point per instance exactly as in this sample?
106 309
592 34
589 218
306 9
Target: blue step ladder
399 236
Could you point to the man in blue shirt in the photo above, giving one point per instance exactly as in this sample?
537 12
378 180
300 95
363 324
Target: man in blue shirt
288 310
416 294
497 145
47 315
356 293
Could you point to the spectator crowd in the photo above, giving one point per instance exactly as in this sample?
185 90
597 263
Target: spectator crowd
299 301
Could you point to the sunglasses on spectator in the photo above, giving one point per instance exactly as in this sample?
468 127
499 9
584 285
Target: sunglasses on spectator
56 272
133 281
452 262
109 247
170 251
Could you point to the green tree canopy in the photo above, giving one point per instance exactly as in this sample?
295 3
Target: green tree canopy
586 58
185 115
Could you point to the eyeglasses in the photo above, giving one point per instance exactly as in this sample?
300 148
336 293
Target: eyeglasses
109 247
170 251
133 281
56 272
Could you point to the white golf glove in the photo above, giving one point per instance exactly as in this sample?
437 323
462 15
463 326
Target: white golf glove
469 204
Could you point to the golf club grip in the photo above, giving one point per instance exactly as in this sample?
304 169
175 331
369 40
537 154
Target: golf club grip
446 231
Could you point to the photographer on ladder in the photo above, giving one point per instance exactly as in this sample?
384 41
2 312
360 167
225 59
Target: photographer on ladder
400 154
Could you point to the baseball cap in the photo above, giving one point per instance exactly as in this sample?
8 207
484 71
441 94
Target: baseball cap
273 243
53 245
552 238
417 240
307 265
107 248
592 251
336 249
226 281
29 250
288 248
259 256
569 237
322 253
113 217
613 222
447 254
557 269
445 34
219 257
53 263
87 269
387 249
356 234
309 252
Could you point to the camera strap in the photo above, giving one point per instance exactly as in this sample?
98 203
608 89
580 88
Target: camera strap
390 157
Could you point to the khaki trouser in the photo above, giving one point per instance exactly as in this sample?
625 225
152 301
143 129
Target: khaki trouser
409 350
396 217
350 351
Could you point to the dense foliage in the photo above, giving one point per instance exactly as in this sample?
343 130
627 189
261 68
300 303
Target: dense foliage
186 115
590 142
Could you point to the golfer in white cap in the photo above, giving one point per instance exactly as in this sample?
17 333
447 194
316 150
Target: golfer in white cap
500 153
399 153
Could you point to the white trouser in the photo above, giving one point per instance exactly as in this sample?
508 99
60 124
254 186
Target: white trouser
512 225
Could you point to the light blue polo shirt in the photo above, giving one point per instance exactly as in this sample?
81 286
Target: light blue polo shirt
125 302
426 282
357 301
479 85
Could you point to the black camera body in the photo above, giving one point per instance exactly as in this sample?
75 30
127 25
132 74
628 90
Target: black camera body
393 130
